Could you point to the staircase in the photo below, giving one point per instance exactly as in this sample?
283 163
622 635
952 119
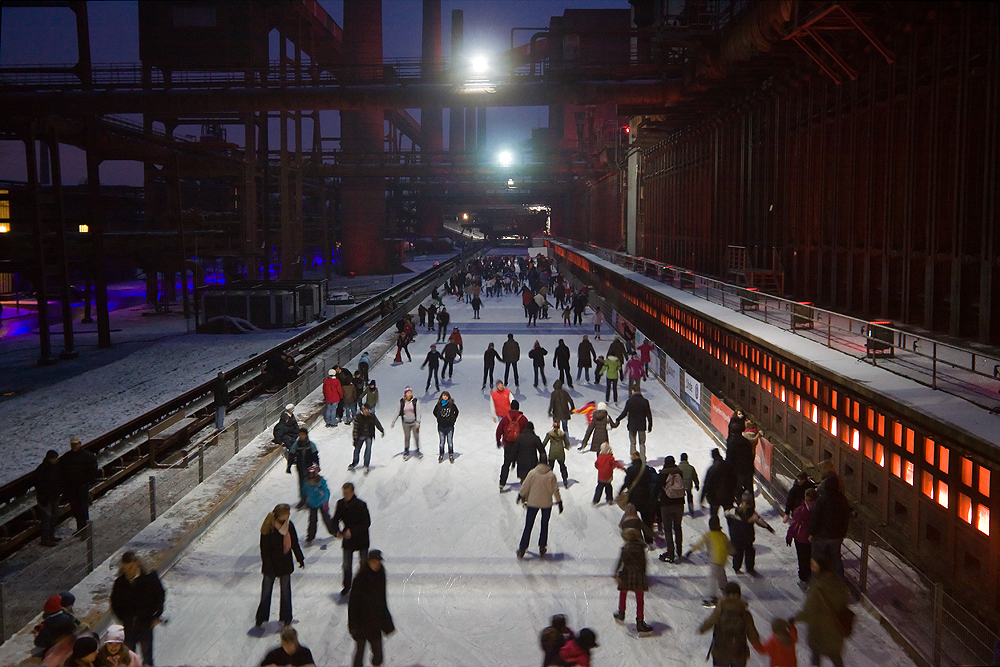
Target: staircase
742 270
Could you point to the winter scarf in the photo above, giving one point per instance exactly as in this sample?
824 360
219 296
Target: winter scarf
286 536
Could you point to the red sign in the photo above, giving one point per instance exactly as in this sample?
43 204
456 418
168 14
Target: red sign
762 458
721 414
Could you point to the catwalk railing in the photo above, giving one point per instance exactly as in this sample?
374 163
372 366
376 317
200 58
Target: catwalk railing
960 371
136 493
934 627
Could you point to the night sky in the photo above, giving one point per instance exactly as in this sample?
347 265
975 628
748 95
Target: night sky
48 36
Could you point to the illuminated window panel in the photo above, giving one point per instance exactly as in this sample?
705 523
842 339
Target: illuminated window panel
897 465
967 472
782 394
983 519
880 454
871 419
909 440
857 409
897 433
833 426
942 494
929 451
855 439
869 448
943 459
881 426
984 481
965 508
815 415
908 472
927 485
798 404
833 399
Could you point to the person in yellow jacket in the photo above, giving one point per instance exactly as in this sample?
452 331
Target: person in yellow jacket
612 370
719 549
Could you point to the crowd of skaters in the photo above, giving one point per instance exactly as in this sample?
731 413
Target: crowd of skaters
649 499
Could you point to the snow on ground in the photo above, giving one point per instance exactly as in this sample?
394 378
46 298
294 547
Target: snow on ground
458 594
153 359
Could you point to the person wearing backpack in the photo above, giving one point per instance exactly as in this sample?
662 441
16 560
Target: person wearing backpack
670 491
733 626
508 430
826 613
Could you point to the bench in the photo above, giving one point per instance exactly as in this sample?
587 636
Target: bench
171 431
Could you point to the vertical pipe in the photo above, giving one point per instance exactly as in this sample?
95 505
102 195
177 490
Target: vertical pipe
265 195
959 182
248 246
52 143
97 248
456 115
988 297
31 159
938 623
933 167
175 187
89 538
152 498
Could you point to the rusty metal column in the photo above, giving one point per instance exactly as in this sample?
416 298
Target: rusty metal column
456 115
65 299
175 194
431 209
97 241
31 163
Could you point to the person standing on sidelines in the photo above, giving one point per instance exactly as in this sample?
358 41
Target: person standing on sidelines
511 355
586 355
48 485
137 601
538 489
352 512
368 616
446 413
500 400
411 422
333 393
640 421
220 395
489 360
508 430
79 470
431 364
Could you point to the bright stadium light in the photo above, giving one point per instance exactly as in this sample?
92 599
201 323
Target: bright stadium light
505 158
479 64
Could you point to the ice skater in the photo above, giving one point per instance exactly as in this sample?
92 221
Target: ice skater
318 501
411 422
279 542
431 364
446 413
630 573
537 491
352 512
368 616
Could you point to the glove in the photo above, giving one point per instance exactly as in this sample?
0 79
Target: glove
560 507
788 541
498 444
302 565
520 500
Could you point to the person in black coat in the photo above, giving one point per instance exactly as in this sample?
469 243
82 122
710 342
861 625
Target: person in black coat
719 485
220 394
368 614
286 431
137 601
489 360
79 470
352 512
450 353
304 454
443 318
586 355
828 523
290 653
740 455
560 360
797 494
640 492
511 353
48 487
279 542
640 421
431 362
537 356
529 451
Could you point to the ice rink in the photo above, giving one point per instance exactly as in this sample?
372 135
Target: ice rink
458 594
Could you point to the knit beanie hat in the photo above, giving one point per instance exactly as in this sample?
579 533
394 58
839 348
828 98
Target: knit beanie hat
84 646
52 605
115 634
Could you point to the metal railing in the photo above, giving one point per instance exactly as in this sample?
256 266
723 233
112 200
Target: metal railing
963 372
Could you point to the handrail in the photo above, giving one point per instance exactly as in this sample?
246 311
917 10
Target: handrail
969 374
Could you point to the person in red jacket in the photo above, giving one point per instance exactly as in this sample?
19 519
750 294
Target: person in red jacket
511 426
333 393
501 399
605 465
781 646
644 356
577 651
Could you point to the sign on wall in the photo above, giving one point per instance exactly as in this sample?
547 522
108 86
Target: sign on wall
721 414
692 393
671 375
762 458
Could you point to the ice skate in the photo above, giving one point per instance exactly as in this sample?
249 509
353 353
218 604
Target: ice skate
619 616
643 628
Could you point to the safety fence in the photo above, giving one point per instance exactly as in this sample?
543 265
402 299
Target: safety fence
29 578
935 627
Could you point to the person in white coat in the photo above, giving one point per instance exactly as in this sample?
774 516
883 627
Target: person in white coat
538 489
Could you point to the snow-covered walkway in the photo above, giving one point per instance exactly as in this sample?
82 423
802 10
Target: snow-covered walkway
458 594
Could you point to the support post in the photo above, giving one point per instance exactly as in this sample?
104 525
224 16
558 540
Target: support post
938 623
865 544
152 499
236 438
97 244
45 342
88 537
201 462
65 300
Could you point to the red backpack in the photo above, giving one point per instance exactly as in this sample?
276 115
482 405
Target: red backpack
512 429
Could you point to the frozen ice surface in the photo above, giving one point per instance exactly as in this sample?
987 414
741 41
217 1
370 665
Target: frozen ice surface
457 593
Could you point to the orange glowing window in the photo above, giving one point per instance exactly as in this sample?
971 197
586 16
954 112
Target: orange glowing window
857 408
881 425
929 450
879 454
927 486
908 472
909 440
798 379
966 472
983 519
782 394
965 508
798 404
942 494
869 448
833 399
984 481
871 419
856 439
815 415
897 433
897 465
833 426
943 459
